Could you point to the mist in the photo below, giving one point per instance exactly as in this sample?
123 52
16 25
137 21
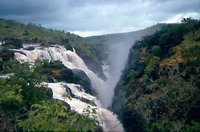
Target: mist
116 64
119 46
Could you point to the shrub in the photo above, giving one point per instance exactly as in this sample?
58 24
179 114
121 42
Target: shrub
156 50
151 67
54 116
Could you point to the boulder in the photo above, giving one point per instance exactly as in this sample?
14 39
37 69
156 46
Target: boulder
83 76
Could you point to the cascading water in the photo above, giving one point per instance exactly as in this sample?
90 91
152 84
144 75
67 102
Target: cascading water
108 121
71 60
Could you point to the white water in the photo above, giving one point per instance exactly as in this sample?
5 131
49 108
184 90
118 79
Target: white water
107 119
71 60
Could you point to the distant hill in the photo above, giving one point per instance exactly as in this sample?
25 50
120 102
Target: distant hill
128 35
122 38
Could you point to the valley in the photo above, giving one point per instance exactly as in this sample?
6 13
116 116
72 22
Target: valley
146 80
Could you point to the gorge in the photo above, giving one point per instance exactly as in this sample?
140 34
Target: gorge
136 81
119 49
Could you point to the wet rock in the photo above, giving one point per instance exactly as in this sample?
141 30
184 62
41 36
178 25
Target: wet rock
83 76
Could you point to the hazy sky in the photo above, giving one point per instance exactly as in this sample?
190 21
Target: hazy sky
94 17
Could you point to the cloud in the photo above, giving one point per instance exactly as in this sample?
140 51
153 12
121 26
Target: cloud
94 17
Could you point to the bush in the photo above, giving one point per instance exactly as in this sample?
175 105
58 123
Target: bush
164 39
54 116
156 50
29 78
13 43
11 99
151 67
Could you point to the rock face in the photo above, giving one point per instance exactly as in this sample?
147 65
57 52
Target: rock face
68 46
117 100
85 78
82 75
96 68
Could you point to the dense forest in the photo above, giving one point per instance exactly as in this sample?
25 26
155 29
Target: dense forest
160 87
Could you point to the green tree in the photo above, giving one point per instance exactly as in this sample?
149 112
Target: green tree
54 116
29 78
11 99
152 65
164 39
156 50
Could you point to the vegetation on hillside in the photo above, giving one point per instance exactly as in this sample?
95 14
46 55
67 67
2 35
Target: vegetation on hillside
15 34
27 104
160 86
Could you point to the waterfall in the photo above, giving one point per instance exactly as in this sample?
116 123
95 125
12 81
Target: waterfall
106 118
71 60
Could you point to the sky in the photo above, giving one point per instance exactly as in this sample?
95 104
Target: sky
97 17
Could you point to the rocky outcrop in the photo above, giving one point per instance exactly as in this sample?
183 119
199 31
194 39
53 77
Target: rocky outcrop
83 76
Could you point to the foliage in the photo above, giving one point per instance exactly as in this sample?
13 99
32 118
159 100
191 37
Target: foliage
20 90
191 51
133 74
23 96
28 77
54 116
160 90
13 43
151 67
156 50
5 55
172 99
28 104
91 102
31 33
11 98
14 34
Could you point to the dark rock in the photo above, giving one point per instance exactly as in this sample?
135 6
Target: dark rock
20 52
29 48
96 68
66 75
84 100
67 45
118 100
63 103
69 91
83 76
